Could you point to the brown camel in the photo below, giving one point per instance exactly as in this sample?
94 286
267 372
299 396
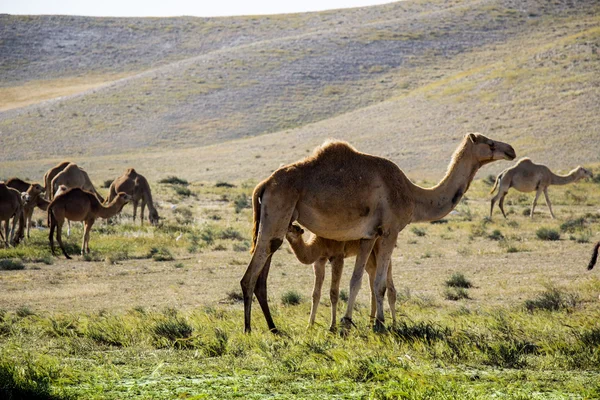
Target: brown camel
50 174
11 206
318 250
341 194
78 205
526 176
34 190
137 186
594 256
74 177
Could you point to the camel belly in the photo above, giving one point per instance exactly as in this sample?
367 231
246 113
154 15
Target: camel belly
523 184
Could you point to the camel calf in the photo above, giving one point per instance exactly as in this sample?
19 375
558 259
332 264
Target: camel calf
34 190
318 250
11 206
78 205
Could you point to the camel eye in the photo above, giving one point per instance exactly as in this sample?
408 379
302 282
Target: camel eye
492 146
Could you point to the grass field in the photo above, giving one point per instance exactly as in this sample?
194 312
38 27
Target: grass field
487 309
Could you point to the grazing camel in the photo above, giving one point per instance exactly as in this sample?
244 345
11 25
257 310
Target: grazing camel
137 186
594 256
74 177
341 194
78 205
11 206
34 190
318 250
50 174
526 176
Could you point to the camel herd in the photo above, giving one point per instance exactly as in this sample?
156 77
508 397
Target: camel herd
68 194
354 204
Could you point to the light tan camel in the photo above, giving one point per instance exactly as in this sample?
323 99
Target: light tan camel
318 250
11 206
50 174
74 177
341 194
526 176
78 205
594 256
35 191
137 186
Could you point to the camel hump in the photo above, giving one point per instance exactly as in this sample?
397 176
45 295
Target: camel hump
525 160
334 146
131 172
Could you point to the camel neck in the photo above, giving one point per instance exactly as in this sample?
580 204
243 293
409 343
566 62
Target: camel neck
111 209
434 203
148 199
562 179
306 252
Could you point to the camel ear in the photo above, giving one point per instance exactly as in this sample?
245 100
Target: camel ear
473 137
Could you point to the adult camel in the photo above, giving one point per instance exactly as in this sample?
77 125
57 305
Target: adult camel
137 186
78 205
11 206
318 251
50 174
35 191
341 194
526 176
74 177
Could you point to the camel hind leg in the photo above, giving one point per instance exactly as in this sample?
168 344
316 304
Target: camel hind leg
537 194
366 246
501 204
384 253
548 203
391 292
337 267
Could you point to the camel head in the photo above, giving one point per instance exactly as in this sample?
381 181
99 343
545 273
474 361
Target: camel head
153 216
35 189
294 232
25 198
582 173
123 198
487 150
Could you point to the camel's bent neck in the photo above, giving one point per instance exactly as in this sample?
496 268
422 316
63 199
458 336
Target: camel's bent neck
563 179
306 252
148 199
111 209
434 203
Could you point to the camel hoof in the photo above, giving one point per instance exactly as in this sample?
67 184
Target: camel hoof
379 327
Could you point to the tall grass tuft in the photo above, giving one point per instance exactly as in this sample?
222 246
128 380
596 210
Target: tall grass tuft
547 234
458 280
552 299
173 180
11 265
291 298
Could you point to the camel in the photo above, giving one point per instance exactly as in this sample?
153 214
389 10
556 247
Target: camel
526 176
137 186
78 205
73 177
594 256
50 174
11 206
34 190
341 194
318 250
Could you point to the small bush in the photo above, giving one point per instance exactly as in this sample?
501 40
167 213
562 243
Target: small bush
552 300
526 211
11 265
241 202
490 180
224 184
418 231
456 293
173 180
458 280
174 329
182 191
573 225
24 311
547 234
106 184
230 233
161 254
496 235
343 295
291 298
427 332
235 296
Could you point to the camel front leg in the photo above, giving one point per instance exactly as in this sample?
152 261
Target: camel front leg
384 254
59 240
337 267
548 203
87 227
143 207
135 206
501 204
391 292
28 217
68 228
319 271
537 194
260 291
366 246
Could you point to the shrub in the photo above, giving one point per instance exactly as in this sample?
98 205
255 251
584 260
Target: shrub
161 254
240 202
24 311
11 264
496 235
418 231
173 180
174 329
182 191
235 296
490 180
230 233
344 295
106 184
573 225
458 280
547 234
427 332
224 184
456 293
291 298
552 300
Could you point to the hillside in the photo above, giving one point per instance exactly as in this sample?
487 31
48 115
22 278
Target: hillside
233 98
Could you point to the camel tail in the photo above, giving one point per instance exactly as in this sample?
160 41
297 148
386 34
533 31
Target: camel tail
496 183
594 256
256 198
